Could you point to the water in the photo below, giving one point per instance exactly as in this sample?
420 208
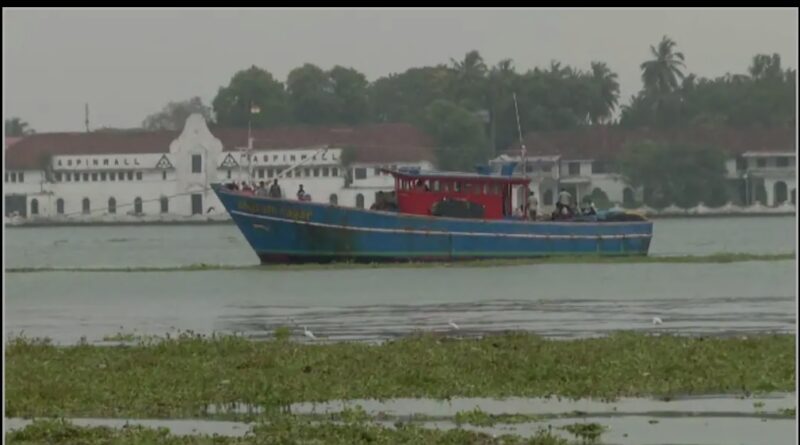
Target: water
558 300
692 420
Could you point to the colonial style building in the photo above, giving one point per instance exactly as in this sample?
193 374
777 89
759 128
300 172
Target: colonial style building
761 166
109 175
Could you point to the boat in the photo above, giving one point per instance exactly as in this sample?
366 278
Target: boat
430 216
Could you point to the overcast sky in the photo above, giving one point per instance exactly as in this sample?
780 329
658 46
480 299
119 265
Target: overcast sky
129 63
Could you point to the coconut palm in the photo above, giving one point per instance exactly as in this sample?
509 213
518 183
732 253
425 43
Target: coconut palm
663 72
607 92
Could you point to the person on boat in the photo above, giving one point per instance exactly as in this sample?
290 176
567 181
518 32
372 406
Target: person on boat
533 205
262 189
301 194
246 187
275 190
564 201
379 203
421 186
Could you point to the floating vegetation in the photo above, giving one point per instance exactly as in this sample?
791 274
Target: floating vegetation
588 259
586 432
284 430
122 337
182 377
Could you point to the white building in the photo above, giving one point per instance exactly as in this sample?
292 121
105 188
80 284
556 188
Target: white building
104 175
761 166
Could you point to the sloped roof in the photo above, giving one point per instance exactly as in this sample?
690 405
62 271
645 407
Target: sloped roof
372 143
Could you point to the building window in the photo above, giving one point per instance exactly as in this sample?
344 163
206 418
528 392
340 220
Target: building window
58 177
289 174
599 167
138 176
112 205
361 173
334 171
266 158
68 177
60 206
13 177
102 176
69 162
574 168
86 177
105 162
316 172
197 204
261 173
94 177
86 208
137 206
292 158
94 162
164 204
163 175
333 199
270 172
325 171
34 206
307 173
783 161
197 163
360 201
21 177
761 162
548 198
77 177
112 176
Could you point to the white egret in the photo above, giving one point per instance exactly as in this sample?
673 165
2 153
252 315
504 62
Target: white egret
308 333
656 321
452 324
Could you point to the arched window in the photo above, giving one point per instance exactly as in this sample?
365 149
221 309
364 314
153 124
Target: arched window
628 199
333 199
112 205
360 201
86 206
164 204
34 206
781 193
137 206
60 206
547 199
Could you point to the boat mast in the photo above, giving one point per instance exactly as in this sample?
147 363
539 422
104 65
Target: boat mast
523 155
523 151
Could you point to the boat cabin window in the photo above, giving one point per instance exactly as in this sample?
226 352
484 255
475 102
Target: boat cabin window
456 186
435 187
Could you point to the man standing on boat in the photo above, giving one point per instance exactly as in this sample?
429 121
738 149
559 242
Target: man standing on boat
275 190
533 205
564 201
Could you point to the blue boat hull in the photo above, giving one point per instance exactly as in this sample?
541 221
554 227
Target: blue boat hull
287 231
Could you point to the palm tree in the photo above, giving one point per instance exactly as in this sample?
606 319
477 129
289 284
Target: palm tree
662 73
470 80
607 92
765 67
16 127
501 85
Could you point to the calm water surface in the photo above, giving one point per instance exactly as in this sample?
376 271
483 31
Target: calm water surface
559 300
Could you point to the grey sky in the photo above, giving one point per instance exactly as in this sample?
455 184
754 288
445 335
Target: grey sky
129 63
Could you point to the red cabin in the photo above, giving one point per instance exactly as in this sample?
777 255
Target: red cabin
456 194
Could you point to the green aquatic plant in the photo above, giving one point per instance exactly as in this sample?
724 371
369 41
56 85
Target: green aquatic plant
182 376
587 432
283 430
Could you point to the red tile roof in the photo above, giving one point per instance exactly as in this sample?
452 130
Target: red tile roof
372 143
605 142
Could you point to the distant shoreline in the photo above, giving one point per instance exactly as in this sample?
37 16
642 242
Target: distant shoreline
50 223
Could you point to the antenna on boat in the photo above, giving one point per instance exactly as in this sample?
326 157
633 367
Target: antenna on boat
523 150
